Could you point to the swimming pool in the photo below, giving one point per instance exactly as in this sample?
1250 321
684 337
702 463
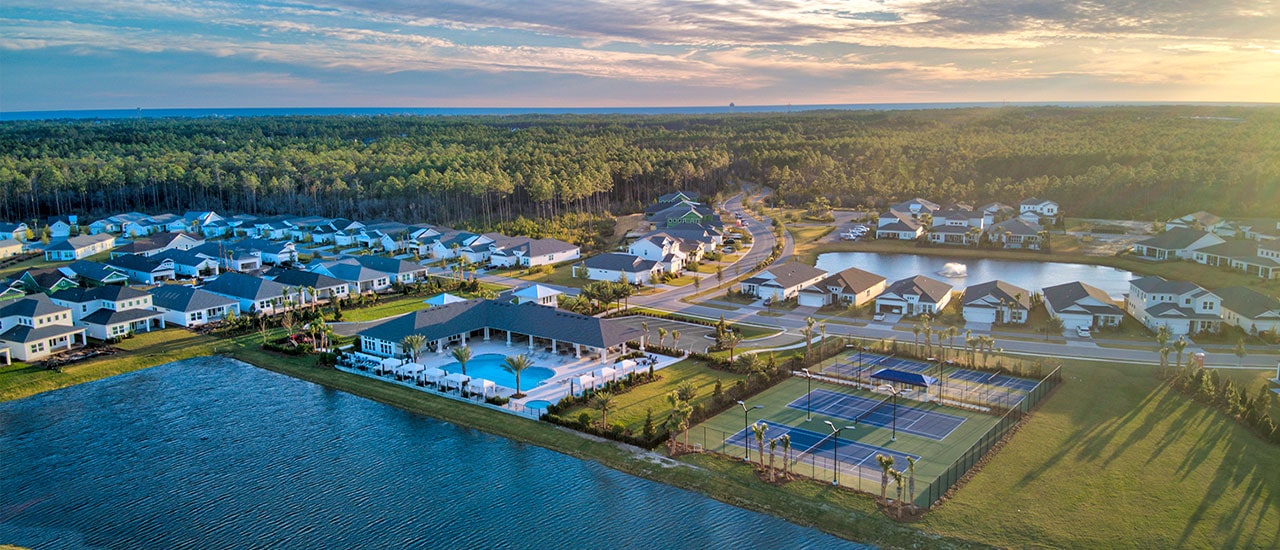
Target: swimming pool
489 367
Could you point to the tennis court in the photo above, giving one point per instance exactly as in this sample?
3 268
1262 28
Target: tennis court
804 443
879 412
971 385
998 380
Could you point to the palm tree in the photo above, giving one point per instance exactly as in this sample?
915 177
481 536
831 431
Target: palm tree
412 345
786 452
916 329
927 329
897 481
681 410
952 331
731 341
759 428
603 402
1240 351
886 464
644 325
686 391
808 335
773 449
675 337
662 336
911 479
462 355
822 327
514 365
1163 335
1164 358
1179 346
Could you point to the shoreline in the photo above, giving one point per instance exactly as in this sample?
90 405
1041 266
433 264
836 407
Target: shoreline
842 513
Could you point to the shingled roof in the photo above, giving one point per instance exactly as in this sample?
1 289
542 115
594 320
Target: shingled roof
528 318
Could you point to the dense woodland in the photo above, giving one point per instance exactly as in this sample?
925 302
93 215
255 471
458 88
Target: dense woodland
1127 162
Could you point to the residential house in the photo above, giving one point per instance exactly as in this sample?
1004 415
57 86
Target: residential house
526 252
79 247
13 231
159 242
144 270
996 302
105 225
851 286
683 212
660 247
1016 233
188 306
1259 258
783 281
87 274
274 228
1041 207
1200 220
229 258
916 208
538 294
34 328
270 252
189 263
359 279
85 302
60 227
1184 307
399 271
898 225
1081 306
10 248
47 280
1176 243
613 266
254 294
325 287
919 295
217 228
1249 309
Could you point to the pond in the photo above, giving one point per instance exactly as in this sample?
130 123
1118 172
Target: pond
1032 276
213 453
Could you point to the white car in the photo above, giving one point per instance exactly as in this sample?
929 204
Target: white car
878 317
1083 332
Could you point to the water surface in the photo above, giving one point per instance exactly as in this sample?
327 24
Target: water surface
213 453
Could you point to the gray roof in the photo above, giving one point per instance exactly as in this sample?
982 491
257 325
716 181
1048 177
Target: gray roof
244 286
1034 201
1016 226
186 298
388 265
297 277
136 262
1065 295
106 317
35 305
260 245
1000 291
110 293
183 257
353 272
794 273
1175 238
93 271
613 261
852 280
1159 285
1248 303
23 333
926 288
527 318
925 205
81 241
12 227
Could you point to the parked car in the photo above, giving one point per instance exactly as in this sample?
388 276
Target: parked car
1083 332
728 250
878 317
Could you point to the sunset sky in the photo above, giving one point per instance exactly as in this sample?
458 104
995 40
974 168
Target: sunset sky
101 54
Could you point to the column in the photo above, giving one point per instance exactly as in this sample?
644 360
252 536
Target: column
440 346
486 334
577 351
508 338
553 345
530 342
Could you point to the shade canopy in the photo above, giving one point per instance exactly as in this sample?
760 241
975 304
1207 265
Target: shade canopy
903 377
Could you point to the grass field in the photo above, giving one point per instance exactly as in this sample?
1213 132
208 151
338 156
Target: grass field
398 305
632 406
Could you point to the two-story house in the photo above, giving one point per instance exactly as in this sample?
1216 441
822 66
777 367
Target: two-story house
34 328
108 312
1184 307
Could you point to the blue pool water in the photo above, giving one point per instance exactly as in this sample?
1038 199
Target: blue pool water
214 453
489 367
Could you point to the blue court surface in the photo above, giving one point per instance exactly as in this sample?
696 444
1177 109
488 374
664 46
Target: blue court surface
852 453
871 362
930 424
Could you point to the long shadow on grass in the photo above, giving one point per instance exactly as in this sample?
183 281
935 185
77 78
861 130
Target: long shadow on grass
1240 469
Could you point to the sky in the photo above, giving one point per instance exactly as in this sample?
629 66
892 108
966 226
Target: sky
125 54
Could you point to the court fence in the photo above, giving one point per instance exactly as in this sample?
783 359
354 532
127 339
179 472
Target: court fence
954 473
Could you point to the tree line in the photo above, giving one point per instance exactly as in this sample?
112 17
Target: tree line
1152 162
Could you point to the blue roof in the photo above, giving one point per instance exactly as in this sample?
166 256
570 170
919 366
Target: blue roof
904 377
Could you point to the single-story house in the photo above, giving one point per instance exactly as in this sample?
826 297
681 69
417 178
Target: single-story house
359 278
88 273
144 270
1016 233
1250 256
46 279
1176 243
253 293
60 227
188 263
782 282
79 247
396 270
538 294
10 248
1250 310
326 288
851 286
1081 306
191 307
13 231
919 295
996 302
614 266
106 324
1197 220
898 225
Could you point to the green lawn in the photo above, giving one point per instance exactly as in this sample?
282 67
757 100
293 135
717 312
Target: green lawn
809 233
562 275
633 404
398 305
32 263
1116 459
748 331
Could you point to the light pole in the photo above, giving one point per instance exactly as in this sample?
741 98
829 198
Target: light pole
746 427
835 451
895 392
808 396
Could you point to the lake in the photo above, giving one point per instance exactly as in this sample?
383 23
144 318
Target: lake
1032 276
214 453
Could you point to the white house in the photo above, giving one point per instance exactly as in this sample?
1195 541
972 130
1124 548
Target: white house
34 328
917 295
79 247
1250 310
1176 243
60 226
110 311
10 248
13 231
613 266
1016 233
851 286
359 279
996 302
144 270
188 263
1081 306
1043 207
325 287
660 247
898 225
191 307
538 294
527 252
1184 307
254 293
916 208
783 281
1201 220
